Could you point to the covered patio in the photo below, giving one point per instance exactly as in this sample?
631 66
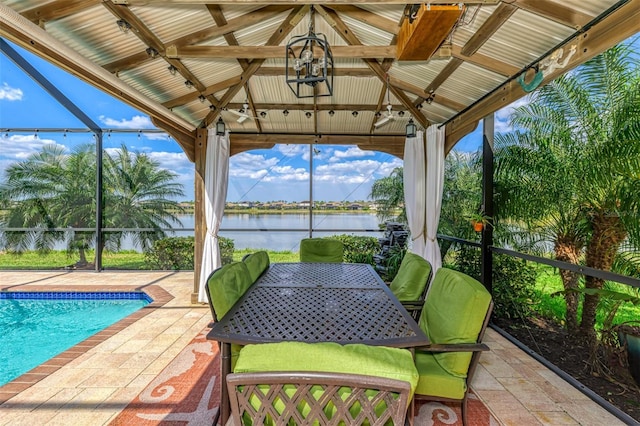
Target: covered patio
217 78
95 381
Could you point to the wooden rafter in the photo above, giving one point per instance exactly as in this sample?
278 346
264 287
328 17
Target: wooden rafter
57 10
232 25
623 23
392 144
271 52
283 30
556 12
341 28
490 26
366 17
485 62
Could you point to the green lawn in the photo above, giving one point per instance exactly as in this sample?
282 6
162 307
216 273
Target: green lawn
547 283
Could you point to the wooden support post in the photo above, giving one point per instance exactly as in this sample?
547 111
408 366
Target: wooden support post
200 228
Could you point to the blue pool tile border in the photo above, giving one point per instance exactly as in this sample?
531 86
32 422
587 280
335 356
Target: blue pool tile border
76 295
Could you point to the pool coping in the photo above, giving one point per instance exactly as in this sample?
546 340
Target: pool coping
159 296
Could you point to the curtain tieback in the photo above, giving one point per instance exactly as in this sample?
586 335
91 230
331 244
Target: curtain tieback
417 236
212 234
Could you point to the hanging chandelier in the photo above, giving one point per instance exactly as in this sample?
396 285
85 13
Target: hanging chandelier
310 58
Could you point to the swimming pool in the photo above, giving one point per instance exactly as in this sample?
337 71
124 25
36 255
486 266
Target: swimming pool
36 326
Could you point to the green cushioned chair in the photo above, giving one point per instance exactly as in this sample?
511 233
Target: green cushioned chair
321 250
454 317
225 286
411 282
321 383
257 263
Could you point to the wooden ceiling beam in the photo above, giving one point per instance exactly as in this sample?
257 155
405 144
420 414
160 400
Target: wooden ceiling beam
618 26
276 38
216 13
57 10
341 28
488 28
366 17
273 52
555 11
391 144
486 62
235 24
450 68
149 38
210 90
337 72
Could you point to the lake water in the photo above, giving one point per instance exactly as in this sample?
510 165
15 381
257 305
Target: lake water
284 231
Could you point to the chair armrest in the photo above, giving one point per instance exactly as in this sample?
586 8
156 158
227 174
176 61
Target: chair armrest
455 347
413 305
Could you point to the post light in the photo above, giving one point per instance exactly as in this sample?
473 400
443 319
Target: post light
411 129
220 127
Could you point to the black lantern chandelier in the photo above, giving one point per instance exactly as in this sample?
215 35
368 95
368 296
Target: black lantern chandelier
310 57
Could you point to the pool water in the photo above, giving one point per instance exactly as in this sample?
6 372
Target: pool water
35 327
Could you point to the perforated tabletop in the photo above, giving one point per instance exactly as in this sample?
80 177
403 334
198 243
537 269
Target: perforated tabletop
335 275
315 302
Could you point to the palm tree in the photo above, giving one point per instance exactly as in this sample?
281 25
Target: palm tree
388 192
139 195
53 190
568 167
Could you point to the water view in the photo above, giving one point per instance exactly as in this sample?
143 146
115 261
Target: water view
283 231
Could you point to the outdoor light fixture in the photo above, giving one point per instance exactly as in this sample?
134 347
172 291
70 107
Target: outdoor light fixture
123 25
419 106
400 113
151 52
212 107
263 114
201 98
220 127
285 112
307 114
189 84
354 113
331 112
311 59
172 70
411 129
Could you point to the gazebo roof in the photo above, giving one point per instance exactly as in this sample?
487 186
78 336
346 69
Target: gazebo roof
233 52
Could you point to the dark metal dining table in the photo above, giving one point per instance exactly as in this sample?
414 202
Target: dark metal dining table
315 302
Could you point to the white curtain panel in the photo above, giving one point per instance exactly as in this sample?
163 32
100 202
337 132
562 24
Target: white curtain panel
435 181
415 191
215 194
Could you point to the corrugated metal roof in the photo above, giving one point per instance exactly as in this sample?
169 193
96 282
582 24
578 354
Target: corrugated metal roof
531 31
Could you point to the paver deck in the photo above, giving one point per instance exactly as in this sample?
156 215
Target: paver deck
94 382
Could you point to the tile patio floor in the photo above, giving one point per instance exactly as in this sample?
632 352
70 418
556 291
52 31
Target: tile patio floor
93 382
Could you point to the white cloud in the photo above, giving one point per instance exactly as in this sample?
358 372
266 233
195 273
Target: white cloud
352 152
503 115
10 93
292 150
136 122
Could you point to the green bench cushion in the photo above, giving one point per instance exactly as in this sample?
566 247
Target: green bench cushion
256 263
321 250
454 313
438 381
411 279
391 363
227 285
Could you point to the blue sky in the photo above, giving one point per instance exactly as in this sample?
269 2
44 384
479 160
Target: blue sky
340 172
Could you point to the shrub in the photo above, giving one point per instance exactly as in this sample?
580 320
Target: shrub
176 253
393 261
358 249
513 281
